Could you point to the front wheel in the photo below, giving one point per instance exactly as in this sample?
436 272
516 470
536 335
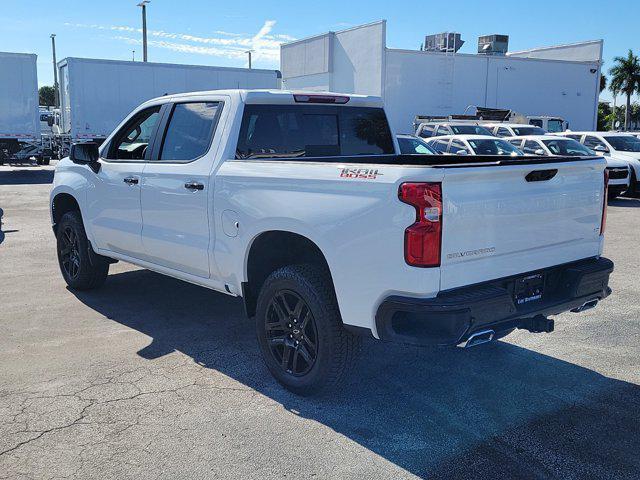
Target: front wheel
300 332
81 268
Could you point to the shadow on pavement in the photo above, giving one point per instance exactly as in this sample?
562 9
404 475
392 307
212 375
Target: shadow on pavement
626 202
498 411
26 176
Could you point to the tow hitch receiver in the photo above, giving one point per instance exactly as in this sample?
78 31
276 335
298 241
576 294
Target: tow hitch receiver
538 324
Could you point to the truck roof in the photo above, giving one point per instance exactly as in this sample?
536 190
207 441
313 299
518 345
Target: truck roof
285 97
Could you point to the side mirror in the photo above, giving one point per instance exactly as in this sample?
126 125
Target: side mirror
462 152
600 148
85 154
540 152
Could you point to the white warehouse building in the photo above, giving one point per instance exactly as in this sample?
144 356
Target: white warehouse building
560 81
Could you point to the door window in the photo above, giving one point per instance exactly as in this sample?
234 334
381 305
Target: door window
441 131
593 142
530 147
458 146
439 146
190 130
536 122
132 141
426 131
503 132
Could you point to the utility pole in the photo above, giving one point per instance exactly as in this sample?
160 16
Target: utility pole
133 55
143 4
56 92
249 52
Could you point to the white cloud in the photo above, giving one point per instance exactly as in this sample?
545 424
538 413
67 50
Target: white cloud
264 44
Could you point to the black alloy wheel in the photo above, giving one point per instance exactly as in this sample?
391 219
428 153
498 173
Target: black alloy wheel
291 333
70 252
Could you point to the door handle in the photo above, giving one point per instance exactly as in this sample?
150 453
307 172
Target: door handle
194 186
131 180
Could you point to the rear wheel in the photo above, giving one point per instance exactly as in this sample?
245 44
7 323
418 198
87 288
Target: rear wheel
300 332
81 268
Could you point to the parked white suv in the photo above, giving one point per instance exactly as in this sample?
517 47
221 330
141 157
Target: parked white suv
554 145
617 148
513 129
439 129
473 145
300 204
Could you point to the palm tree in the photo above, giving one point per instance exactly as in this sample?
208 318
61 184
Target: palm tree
625 78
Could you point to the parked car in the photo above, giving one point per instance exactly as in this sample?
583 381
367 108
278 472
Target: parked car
301 205
554 145
618 148
473 145
411 145
513 129
439 129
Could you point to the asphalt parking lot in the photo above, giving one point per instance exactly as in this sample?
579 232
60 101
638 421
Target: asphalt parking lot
150 377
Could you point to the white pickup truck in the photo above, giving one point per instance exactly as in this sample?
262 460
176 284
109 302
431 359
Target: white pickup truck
300 204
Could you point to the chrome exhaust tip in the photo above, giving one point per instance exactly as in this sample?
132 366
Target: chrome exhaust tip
586 306
478 338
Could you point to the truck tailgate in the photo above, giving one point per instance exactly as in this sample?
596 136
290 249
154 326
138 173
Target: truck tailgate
505 220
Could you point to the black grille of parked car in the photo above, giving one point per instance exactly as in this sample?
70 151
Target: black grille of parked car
617 173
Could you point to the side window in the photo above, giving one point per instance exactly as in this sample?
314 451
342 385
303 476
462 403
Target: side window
530 147
577 138
132 141
456 146
536 122
439 146
189 131
503 132
427 131
516 143
442 130
593 142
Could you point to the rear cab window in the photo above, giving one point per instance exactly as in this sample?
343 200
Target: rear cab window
292 131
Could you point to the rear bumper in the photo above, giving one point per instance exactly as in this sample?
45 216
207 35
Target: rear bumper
454 315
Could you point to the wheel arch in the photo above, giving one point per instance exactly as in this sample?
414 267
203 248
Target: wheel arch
61 203
274 249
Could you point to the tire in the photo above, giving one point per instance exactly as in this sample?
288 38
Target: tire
39 161
81 268
46 161
305 292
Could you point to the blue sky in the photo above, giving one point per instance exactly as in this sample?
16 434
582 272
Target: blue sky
218 32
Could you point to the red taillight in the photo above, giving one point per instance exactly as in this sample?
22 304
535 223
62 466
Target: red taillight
300 98
603 222
423 239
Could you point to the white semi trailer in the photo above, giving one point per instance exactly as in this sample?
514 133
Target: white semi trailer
19 115
95 94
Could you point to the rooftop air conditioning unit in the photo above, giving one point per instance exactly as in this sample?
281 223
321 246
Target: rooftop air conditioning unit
443 42
493 44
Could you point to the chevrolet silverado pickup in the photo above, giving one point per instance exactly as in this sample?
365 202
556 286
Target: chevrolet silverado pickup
301 204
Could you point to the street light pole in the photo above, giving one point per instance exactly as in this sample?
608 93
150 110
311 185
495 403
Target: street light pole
249 52
56 94
143 4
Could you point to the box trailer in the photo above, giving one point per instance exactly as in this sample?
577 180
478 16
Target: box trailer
95 94
19 115
561 81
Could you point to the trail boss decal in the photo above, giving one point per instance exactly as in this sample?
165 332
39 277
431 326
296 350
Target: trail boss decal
365 173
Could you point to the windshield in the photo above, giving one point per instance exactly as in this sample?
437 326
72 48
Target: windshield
567 146
412 146
624 143
493 147
522 131
470 130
